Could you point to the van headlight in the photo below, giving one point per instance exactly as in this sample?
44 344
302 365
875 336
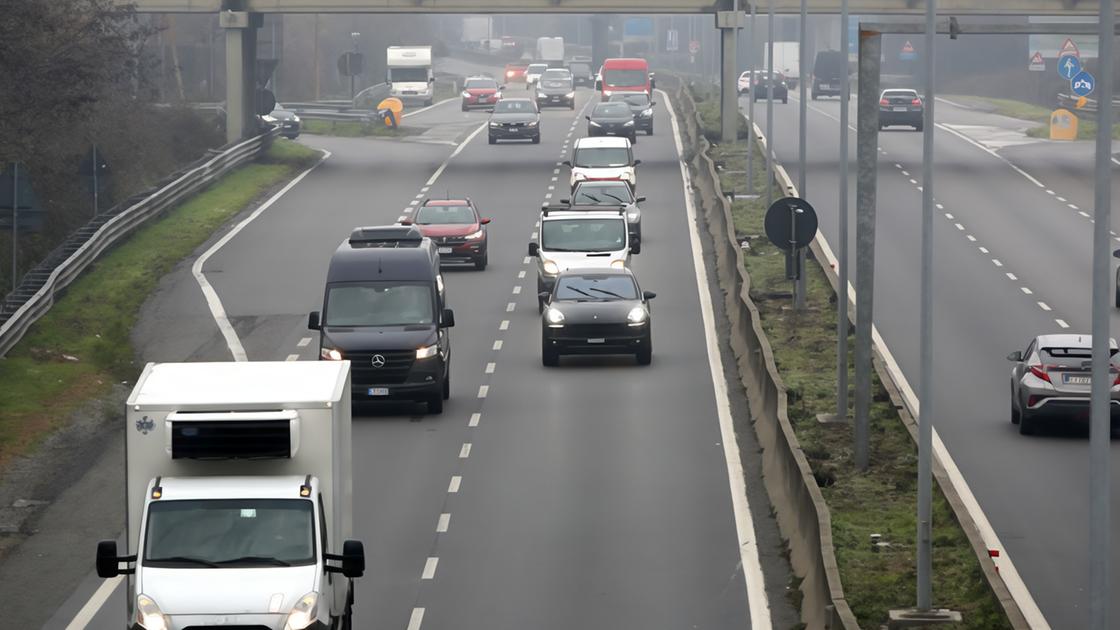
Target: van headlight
494 125
304 612
551 268
148 614
633 216
554 317
618 264
330 354
607 93
427 352
647 112
532 123
637 316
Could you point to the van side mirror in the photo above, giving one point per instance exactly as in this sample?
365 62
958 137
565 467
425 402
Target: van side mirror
637 162
648 295
568 163
108 562
652 103
447 318
598 85
534 249
652 84
431 79
353 559
313 320
639 200
1015 356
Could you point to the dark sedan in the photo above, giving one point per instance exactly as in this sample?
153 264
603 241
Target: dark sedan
772 88
289 122
612 119
901 107
515 119
596 311
640 106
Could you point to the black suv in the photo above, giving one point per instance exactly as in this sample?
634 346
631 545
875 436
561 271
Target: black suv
384 310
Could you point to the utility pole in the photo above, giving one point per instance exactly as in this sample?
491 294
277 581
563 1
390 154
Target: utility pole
751 46
843 323
799 282
315 45
769 104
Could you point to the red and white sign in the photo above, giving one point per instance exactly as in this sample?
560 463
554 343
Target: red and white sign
1038 64
1069 48
694 46
908 48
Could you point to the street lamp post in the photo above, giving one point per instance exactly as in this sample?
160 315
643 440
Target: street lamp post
353 36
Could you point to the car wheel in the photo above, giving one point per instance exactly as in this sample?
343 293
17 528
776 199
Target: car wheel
480 262
572 105
550 357
465 108
1118 297
1014 412
1026 424
537 139
918 127
435 404
785 100
447 385
649 132
645 354
493 140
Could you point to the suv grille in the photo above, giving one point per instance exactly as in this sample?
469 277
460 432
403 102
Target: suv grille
393 372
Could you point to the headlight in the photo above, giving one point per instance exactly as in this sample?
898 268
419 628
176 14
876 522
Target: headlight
633 215
509 74
532 123
149 615
618 264
427 352
647 112
554 317
637 316
475 235
570 95
594 124
607 93
466 94
628 123
295 118
330 354
303 613
551 268
495 124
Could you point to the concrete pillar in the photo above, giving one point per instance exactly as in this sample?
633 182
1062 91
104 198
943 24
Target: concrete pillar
241 64
600 46
729 23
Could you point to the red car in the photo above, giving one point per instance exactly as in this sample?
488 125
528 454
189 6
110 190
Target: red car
456 228
515 72
480 92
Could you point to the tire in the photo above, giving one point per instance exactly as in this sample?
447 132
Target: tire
644 356
572 106
536 139
1014 412
649 132
549 357
480 262
785 100
493 140
1026 424
919 127
465 108
428 103
435 404
1117 297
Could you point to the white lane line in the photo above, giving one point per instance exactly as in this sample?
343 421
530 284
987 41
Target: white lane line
914 181
217 311
465 452
1062 199
1000 158
1044 306
303 342
1050 192
420 195
497 344
920 189
959 226
86 613
475 418
1062 323
430 569
1083 213
538 224
517 289
443 523
1011 276
456 481
554 178
483 391
511 306
1026 290
292 357
555 171
533 235
552 187
425 189
1073 206
504 325
520 274
984 250
996 262
905 174
416 619
940 206
948 216
414 202
898 166
971 238
490 367
421 111
457 151
548 196
527 260
757 601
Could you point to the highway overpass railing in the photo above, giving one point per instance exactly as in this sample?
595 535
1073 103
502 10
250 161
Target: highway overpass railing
36 293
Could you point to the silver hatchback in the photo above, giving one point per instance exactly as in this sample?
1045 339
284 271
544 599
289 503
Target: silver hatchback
1051 380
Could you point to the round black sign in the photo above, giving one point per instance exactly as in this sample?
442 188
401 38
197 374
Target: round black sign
791 223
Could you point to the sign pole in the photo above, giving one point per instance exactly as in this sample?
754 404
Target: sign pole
843 322
95 169
803 105
751 47
15 224
769 105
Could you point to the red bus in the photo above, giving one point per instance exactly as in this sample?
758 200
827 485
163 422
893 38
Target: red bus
624 75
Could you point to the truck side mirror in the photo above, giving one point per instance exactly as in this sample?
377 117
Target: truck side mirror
353 559
431 79
639 200
637 162
652 83
447 318
313 320
598 85
108 561
534 249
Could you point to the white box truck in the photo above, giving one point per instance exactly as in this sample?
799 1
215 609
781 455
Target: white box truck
550 50
409 70
787 60
239 497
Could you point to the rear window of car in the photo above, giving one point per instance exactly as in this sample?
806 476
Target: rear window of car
537 68
480 84
611 109
509 106
906 93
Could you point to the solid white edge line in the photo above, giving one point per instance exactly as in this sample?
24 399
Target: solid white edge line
457 151
217 311
991 153
432 106
96 601
744 524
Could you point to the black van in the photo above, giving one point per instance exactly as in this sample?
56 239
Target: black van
385 310
830 70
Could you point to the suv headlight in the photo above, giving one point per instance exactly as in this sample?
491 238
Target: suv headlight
466 94
148 614
304 612
618 264
330 354
554 317
637 316
295 118
647 112
495 124
475 235
551 268
594 124
570 95
427 352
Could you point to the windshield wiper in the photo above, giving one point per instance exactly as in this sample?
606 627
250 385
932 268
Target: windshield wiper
184 560
618 199
276 562
593 198
610 293
581 292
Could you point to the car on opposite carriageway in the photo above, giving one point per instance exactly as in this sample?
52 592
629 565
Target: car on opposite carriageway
456 228
515 119
596 311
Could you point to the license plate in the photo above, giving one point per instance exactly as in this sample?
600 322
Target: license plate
1077 380
900 109
409 92
825 86
597 340
445 250
483 99
378 391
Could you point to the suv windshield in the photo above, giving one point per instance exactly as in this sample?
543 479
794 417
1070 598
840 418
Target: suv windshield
583 235
445 215
601 157
408 75
217 533
624 77
597 287
602 193
480 84
509 106
379 304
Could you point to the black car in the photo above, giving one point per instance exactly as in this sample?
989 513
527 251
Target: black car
385 311
556 88
289 122
612 119
640 106
594 194
596 311
771 87
901 107
515 119
830 71
582 74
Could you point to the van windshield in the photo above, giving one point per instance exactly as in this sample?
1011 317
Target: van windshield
379 304
624 77
583 235
408 75
601 157
222 533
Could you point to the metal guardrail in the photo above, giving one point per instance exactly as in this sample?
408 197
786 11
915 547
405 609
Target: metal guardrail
1069 101
36 292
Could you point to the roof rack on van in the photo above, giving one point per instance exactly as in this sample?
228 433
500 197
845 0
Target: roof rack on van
387 236
547 207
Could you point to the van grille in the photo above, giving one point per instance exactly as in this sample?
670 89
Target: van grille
231 439
395 370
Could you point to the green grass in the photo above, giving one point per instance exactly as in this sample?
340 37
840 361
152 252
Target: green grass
354 129
883 500
79 348
1086 128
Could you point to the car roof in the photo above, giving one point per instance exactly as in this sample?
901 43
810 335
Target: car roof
597 271
1067 340
621 62
447 202
602 141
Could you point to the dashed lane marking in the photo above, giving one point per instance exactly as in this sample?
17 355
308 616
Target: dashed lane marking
971 238
1011 276
303 342
996 262
511 306
517 289
959 226
521 274
292 357
504 325
483 391
497 344
490 367
443 523
430 569
1044 306
984 250
465 451
475 418
1026 290
1062 323
456 481
416 619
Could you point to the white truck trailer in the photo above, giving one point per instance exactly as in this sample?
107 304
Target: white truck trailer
787 60
239 497
409 70
550 50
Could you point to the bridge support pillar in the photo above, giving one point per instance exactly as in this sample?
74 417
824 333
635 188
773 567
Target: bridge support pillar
729 23
600 40
241 65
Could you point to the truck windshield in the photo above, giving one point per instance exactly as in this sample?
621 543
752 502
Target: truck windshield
624 77
379 304
408 75
222 533
583 235
602 157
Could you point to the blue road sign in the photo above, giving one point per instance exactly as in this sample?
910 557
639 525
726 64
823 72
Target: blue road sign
1069 66
1083 84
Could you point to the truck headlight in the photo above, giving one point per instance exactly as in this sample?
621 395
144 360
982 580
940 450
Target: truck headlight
304 612
618 264
554 317
148 613
427 352
637 316
551 268
330 354
475 235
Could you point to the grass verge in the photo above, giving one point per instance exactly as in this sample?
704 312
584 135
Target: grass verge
884 499
1086 128
82 345
355 129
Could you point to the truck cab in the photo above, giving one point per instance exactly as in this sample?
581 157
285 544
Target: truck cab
409 73
239 495
385 310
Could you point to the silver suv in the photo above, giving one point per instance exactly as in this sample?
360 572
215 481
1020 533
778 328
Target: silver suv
1051 380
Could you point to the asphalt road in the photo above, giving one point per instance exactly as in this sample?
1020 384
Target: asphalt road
1012 260
594 495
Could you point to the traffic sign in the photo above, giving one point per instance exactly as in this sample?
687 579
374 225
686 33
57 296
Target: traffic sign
1083 84
1038 64
908 53
694 47
1069 49
791 223
1069 66
671 40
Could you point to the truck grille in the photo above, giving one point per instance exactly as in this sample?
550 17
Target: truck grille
397 364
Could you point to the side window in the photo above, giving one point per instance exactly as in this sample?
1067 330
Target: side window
323 525
1029 351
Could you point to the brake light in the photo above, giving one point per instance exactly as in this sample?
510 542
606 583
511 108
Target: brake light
884 102
916 101
1041 372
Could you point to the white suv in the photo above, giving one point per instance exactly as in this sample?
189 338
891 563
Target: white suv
579 240
603 157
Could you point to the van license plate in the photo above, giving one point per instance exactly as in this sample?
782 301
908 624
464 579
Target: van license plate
597 340
379 391
445 250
